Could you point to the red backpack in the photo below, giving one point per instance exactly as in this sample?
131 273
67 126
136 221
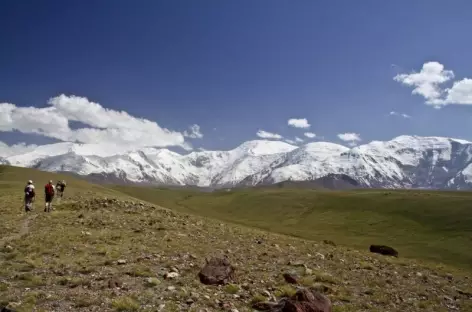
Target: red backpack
49 190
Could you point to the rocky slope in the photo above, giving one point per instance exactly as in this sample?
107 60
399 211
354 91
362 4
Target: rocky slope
403 162
118 254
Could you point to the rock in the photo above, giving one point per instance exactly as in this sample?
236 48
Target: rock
8 308
329 242
305 300
171 275
171 288
383 250
114 282
320 256
121 261
290 278
296 263
308 271
8 248
217 271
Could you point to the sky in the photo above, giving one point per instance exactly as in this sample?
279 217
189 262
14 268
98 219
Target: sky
211 74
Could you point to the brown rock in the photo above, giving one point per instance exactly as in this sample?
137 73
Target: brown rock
114 282
217 271
305 300
383 250
290 278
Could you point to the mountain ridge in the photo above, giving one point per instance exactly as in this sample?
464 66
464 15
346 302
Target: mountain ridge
403 162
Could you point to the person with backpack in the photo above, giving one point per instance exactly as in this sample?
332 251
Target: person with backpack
29 196
60 187
49 191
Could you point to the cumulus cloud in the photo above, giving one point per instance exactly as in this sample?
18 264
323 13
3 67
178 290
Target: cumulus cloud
15 149
350 137
299 140
102 125
427 83
268 135
399 114
310 135
298 123
194 132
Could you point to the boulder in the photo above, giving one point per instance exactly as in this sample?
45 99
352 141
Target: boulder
305 300
217 271
383 250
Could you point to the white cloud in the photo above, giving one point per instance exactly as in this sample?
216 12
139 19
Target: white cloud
268 135
350 137
460 93
15 149
194 132
427 84
298 123
399 114
299 140
290 141
102 125
310 135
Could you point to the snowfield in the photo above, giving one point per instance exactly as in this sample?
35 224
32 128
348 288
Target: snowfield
403 162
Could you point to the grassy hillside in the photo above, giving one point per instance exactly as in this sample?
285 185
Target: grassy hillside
102 250
433 226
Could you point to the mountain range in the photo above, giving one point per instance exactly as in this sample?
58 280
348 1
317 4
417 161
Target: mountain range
403 162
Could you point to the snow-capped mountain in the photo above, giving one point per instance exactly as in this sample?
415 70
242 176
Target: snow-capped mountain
403 162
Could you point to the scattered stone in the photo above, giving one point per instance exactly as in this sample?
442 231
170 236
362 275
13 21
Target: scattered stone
320 256
8 248
329 242
296 263
171 275
121 261
217 271
290 278
8 308
308 271
171 288
383 250
305 300
114 282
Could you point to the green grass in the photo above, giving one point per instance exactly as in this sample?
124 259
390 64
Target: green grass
430 225
68 259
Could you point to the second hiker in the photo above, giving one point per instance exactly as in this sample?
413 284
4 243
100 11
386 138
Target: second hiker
49 191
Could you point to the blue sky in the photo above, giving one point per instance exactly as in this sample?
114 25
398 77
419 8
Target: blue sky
234 66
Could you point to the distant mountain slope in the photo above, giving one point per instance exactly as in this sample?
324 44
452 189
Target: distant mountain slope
330 181
403 162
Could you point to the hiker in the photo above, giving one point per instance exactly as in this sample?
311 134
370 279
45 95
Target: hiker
60 187
49 191
29 196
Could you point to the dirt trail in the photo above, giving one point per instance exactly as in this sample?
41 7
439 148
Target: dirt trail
24 229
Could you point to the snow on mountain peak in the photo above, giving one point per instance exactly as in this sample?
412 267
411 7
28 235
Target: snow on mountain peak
404 161
264 147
